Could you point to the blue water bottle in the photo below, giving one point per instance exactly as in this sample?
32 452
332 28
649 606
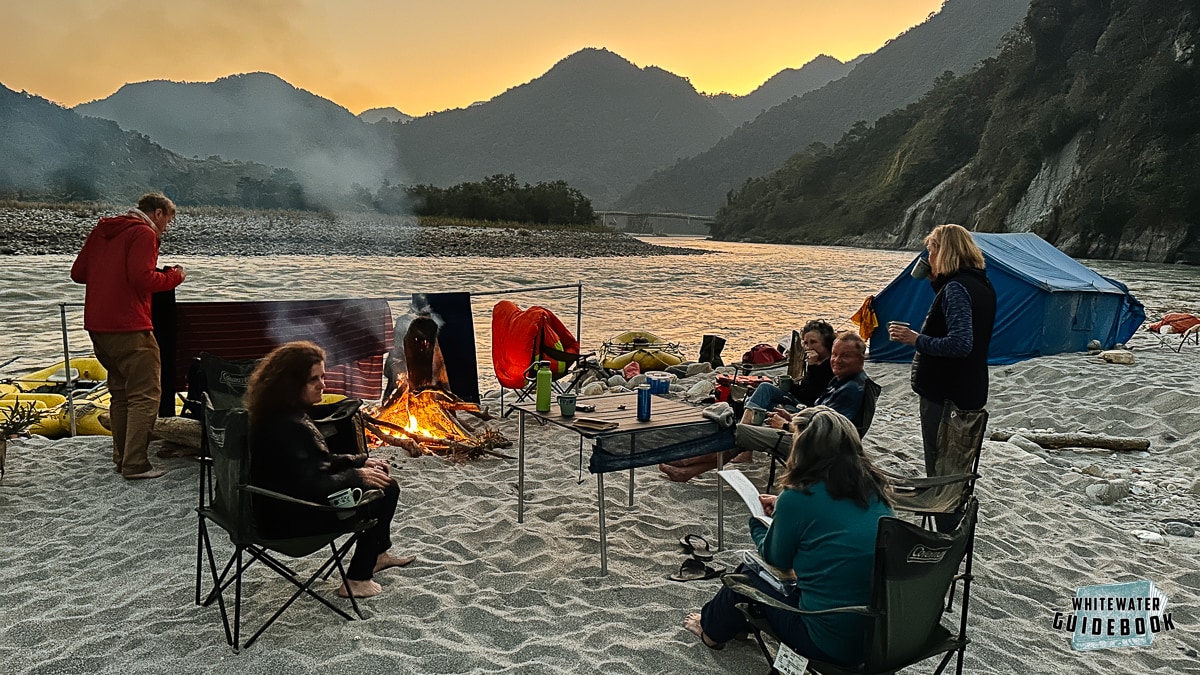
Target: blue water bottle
643 394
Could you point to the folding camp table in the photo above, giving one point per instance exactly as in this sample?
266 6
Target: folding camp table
674 431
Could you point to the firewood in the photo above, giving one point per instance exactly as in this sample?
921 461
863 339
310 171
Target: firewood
1078 439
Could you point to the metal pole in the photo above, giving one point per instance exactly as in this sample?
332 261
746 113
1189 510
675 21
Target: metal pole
521 466
62 312
720 503
632 451
579 312
603 529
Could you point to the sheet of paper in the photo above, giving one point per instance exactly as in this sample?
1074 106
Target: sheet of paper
746 490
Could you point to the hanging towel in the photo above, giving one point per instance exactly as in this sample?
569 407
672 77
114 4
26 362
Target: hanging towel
866 319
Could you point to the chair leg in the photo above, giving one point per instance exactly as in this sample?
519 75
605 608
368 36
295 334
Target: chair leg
771 476
212 564
306 587
237 603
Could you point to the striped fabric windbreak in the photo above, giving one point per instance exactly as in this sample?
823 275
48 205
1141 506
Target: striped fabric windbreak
355 334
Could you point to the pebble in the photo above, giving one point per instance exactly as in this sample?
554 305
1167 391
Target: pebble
1117 356
1148 537
593 389
1108 492
678 371
1177 529
698 369
1093 470
1026 444
636 380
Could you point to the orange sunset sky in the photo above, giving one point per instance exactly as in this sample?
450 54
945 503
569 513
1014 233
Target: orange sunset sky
429 55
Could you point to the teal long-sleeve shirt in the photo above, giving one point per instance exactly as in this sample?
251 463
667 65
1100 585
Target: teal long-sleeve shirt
830 544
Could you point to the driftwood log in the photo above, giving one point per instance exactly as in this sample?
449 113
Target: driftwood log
1078 439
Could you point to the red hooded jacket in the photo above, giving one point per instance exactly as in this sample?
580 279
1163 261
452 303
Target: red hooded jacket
118 263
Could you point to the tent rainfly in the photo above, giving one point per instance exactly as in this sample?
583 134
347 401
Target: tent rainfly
1046 302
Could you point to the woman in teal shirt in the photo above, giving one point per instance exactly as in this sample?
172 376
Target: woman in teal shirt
824 526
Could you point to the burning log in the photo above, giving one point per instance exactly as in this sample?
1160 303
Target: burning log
418 414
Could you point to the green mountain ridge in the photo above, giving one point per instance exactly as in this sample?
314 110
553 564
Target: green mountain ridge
1083 130
956 38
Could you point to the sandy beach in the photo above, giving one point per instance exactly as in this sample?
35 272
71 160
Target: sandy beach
97 573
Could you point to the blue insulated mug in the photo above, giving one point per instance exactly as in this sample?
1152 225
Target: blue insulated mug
643 411
660 383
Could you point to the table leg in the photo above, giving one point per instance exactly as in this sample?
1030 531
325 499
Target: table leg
521 466
603 529
632 452
720 503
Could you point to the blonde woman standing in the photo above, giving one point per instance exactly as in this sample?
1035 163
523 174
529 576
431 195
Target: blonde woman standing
952 347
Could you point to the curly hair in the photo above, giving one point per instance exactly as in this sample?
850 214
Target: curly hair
826 448
821 328
277 383
956 250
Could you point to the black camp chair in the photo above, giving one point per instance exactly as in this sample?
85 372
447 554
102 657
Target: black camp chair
223 383
916 574
871 392
233 511
939 497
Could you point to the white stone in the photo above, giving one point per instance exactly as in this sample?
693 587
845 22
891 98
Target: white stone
699 368
1148 537
636 380
701 388
616 381
593 389
1117 356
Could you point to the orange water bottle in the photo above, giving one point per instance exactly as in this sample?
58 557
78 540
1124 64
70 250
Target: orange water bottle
543 386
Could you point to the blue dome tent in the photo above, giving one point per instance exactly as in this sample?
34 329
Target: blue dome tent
1046 302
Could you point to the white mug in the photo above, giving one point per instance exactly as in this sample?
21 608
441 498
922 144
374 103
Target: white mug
345 499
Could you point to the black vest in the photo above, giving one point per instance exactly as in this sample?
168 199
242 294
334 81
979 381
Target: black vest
962 380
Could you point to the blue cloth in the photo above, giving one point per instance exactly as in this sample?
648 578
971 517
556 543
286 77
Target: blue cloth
830 544
767 396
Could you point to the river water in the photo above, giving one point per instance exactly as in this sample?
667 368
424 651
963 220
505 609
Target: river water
749 293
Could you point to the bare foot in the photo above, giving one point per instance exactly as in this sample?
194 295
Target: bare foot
387 560
692 623
362 589
746 456
682 474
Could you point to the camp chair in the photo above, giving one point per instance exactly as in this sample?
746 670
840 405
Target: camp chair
521 338
915 579
959 442
1176 341
233 511
223 383
871 392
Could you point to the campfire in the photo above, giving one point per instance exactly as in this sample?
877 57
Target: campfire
420 413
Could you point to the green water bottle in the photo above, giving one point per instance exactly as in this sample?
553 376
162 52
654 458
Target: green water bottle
543 386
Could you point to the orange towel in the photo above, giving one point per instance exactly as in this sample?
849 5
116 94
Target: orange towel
866 319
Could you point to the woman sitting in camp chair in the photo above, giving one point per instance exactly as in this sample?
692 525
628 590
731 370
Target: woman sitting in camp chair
824 528
289 456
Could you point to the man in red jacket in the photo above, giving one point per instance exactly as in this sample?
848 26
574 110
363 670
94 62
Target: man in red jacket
119 265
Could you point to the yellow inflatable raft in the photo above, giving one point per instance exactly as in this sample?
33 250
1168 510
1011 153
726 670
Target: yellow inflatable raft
647 349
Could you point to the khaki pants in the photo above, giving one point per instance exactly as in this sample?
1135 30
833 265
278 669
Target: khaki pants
135 383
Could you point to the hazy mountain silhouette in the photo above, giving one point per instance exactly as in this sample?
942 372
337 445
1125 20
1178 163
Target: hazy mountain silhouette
594 120
374 115
781 86
256 118
50 153
956 38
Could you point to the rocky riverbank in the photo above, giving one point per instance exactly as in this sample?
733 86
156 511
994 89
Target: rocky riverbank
212 231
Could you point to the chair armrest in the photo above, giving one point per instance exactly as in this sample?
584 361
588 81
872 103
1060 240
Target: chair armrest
740 583
368 496
921 483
